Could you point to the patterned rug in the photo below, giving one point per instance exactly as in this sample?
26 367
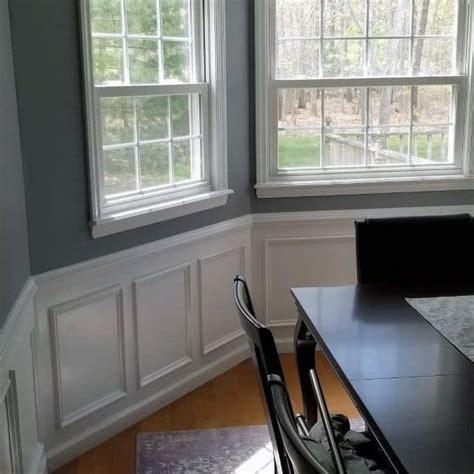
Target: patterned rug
240 450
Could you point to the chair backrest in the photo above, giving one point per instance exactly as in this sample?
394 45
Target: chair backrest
301 458
267 361
419 250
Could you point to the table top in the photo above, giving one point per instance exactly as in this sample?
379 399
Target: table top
413 387
371 332
426 422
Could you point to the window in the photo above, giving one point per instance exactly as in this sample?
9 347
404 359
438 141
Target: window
360 96
156 109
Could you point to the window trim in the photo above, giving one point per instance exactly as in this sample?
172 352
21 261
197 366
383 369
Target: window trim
459 175
198 196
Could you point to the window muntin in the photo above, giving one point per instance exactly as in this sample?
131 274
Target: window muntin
150 102
354 89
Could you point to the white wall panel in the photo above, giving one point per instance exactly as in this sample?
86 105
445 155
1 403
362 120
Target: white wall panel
162 308
303 261
220 322
88 353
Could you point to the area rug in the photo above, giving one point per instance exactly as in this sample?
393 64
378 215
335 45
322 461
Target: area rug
452 316
240 450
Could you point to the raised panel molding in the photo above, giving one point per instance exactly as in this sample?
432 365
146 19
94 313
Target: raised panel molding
217 310
81 364
303 261
162 303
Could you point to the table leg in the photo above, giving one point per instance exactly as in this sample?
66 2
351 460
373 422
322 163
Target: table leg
305 347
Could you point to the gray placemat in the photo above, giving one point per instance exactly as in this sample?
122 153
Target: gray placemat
452 316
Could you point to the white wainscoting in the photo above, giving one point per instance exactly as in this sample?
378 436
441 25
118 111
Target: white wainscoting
303 261
88 354
162 312
119 337
20 448
295 249
124 335
220 322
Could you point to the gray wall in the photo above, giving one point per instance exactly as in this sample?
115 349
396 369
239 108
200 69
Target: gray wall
14 257
48 73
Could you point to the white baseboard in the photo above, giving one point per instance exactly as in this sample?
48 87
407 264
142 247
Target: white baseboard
39 462
99 433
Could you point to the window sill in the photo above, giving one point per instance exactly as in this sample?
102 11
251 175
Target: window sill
123 221
363 186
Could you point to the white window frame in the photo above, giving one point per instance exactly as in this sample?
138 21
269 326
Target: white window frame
211 191
273 183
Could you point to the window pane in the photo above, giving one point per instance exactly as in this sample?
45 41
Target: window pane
298 149
141 17
388 146
118 123
435 18
182 161
152 115
390 18
343 58
176 61
108 57
298 59
297 18
389 57
106 16
433 56
119 171
344 18
154 164
432 104
389 105
344 107
344 147
143 61
180 115
175 18
430 145
298 108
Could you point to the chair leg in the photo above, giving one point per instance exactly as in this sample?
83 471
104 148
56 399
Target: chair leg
305 347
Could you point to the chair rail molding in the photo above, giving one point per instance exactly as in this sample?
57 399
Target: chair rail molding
93 345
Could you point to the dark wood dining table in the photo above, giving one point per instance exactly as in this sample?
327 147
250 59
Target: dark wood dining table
412 386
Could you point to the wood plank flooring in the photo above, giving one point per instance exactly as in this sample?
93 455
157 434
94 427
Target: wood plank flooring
232 399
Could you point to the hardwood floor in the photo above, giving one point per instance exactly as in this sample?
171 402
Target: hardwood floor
232 399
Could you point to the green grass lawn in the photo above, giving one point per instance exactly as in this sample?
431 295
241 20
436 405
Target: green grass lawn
421 146
304 151
298 152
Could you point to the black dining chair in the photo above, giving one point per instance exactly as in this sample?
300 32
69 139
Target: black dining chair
287 431
415 250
